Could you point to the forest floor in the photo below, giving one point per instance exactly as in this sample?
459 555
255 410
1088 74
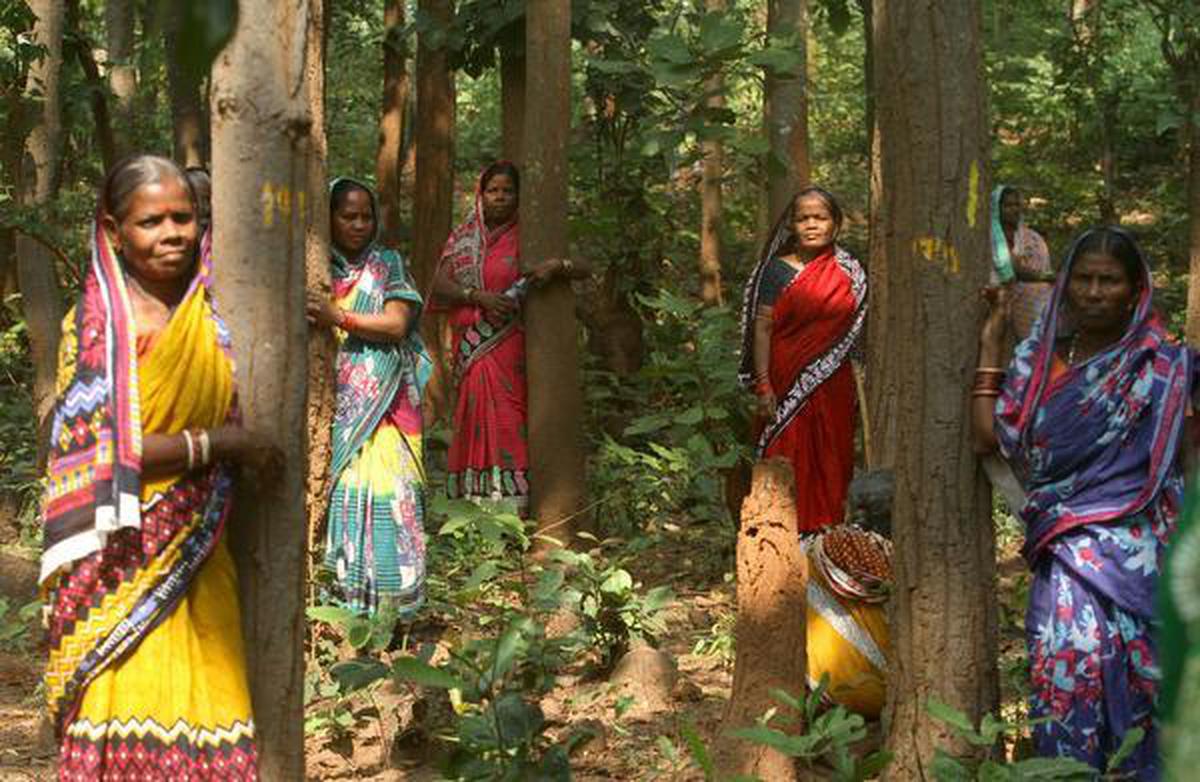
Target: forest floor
630 743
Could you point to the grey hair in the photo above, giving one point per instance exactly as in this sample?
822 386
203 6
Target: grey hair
133 172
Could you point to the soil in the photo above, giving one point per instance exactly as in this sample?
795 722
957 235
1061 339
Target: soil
626 744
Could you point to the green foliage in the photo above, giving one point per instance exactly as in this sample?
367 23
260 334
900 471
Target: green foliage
17 625
987 738
828 736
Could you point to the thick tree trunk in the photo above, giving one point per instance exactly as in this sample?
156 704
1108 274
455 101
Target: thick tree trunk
41 300
434 196
710 189
322 349
433 190
1192 129
512 101
188 122
121 70
267 182
786 106
551 353
928 230
389 160
772 575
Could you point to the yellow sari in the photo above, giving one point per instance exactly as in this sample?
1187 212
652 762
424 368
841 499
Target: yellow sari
146 677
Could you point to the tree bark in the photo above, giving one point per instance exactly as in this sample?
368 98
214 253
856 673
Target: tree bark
434 196
710 188
389 161
433 188
551 353
122 72
1192 129
41 300
322 348
772 575
928 230
512 101
188 122
786 106
267 182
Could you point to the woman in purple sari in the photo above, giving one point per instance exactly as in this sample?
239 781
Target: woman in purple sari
1090 414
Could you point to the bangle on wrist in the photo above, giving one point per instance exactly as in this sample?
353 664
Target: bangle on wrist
763 388
469 294
566 265
990 392
191 450
349 321
205 447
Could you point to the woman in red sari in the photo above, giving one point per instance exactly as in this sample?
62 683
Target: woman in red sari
804 309
479 281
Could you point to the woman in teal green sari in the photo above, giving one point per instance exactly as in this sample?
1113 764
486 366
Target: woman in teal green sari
375 540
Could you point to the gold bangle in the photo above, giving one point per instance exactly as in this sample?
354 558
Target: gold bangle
989 370
977 392
191 455
469 294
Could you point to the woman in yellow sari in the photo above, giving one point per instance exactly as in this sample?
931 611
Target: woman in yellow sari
146 677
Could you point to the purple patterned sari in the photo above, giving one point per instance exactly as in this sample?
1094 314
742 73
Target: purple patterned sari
1095 448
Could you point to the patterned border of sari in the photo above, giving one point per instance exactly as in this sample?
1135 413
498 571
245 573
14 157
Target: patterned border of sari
824 366
1126 406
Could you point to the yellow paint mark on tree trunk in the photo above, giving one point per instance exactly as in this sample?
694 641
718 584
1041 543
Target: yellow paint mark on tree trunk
973 195
939 252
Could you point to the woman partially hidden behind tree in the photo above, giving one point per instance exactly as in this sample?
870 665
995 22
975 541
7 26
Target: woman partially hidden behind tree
375 536
804 308
146 677
479 281
1090 413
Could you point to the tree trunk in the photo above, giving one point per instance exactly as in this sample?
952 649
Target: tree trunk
188 123
786 106
866 7
928 230
710 188
389 161
122 72
551 353
1192 129
96 87
322 348
41 300
265 188
772 575
512 100
434 196
433 189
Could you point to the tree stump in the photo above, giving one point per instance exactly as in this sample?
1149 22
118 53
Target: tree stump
772 574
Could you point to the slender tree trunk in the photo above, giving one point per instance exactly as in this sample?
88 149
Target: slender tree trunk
710 188
433 191
786 106
322 349
1192 129
512 100
434 196
867 9
122 72
41 300
97 88
261 109
188 122
551 354
389 161
928 230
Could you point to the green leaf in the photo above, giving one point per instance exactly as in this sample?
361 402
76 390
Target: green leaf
413 670
671 49
951 717
719 32
352 675
1052 768
486 571
358 632
1129 743
517 721
779 60
333 615
692 416
699 751
948 769
619 582
507 646
647 423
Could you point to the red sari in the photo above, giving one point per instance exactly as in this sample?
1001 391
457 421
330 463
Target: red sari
817 318
488 457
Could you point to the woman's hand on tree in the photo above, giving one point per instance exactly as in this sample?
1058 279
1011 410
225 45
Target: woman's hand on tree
321 311
546 271
997 318
495 304
248 449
